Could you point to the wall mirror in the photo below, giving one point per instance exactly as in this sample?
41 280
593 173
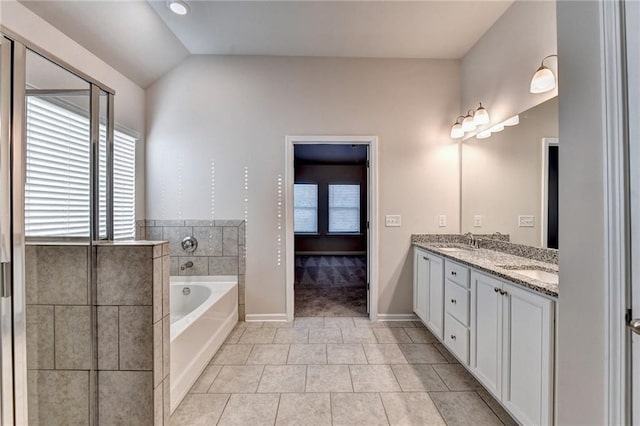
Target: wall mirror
509 181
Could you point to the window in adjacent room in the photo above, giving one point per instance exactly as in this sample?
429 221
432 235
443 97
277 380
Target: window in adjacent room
305 208
344 209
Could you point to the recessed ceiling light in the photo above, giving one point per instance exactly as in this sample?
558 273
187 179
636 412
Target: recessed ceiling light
179 7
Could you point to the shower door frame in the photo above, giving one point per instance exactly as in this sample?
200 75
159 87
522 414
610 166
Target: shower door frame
17 143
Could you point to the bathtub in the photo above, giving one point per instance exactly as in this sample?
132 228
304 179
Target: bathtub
203 312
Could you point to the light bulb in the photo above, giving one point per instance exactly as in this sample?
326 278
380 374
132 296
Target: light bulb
542 81
467 124
179 7
456 131
481 116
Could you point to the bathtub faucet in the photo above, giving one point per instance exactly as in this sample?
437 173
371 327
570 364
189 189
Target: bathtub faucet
189 264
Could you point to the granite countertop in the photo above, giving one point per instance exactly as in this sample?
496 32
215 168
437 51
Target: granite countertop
493 262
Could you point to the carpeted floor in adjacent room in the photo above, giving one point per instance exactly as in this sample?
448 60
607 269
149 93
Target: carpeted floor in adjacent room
330 286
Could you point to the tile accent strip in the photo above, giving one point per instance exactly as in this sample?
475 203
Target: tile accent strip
221 247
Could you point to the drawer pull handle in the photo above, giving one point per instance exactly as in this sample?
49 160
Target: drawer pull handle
502 292
496 289
453 337
454 273
425 257
453 301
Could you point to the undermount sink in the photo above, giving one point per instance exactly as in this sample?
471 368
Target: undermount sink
455 248
537 274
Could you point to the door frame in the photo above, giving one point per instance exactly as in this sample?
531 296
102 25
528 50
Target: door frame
544 213
372 190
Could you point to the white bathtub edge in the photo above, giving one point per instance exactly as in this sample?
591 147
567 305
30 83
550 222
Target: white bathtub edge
180 387
265 317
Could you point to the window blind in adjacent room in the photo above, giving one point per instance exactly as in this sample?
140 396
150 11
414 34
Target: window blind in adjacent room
344 209
305 208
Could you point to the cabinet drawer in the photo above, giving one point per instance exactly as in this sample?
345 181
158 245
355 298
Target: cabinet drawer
456 273
456 338
456 301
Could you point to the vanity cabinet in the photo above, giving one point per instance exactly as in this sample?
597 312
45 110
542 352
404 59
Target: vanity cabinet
456 308
428 290
512 346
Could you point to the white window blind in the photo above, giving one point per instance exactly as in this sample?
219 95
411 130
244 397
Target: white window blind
305 208
344 208
57 187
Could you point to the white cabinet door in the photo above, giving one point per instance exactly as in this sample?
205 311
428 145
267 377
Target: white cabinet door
486 331
527 387
420 283
435 296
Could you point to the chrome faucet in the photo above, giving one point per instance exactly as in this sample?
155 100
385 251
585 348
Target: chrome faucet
189 264
473 241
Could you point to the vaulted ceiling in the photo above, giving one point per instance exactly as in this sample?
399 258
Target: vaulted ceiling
144 39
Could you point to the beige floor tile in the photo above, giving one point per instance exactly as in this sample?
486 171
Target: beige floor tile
358 335
355 409
418 378
328 378
237 379
250 409
373 378
496 408
366 322
309 322
339 322
446 354
456 377
250 324
345 354
399 324
409 409
235 335
283 378
308 354
391 335
420 335
384 353
258 335
309 409
463 409
292 335
268 354
325 335
421 353
418 324
206 379
232 355
199 410
278 324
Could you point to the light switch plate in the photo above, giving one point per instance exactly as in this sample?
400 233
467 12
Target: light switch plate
442 220
526 221
477 221
393 220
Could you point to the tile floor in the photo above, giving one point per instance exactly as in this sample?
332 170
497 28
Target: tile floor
336 371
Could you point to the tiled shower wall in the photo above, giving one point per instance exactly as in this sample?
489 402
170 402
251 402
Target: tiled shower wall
127 351
221 248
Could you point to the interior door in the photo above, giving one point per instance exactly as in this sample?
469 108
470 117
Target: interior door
6 338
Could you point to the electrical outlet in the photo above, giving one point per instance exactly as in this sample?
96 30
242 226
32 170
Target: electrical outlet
526 221
477 221
393 220
442 220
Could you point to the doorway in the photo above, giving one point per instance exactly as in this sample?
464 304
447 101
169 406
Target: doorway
330 227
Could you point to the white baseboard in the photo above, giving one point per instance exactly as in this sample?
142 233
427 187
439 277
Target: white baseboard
397 317
265 317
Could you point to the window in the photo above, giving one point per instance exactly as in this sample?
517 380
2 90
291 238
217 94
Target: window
57 185
344 209
305 208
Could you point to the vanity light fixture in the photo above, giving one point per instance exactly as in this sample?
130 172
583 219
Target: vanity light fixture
497 128
456 129
484 134
543 79
468 125
481 116
179 7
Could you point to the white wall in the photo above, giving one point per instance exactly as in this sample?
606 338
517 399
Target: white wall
581 367
130 98
502 176
236 112
498 69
